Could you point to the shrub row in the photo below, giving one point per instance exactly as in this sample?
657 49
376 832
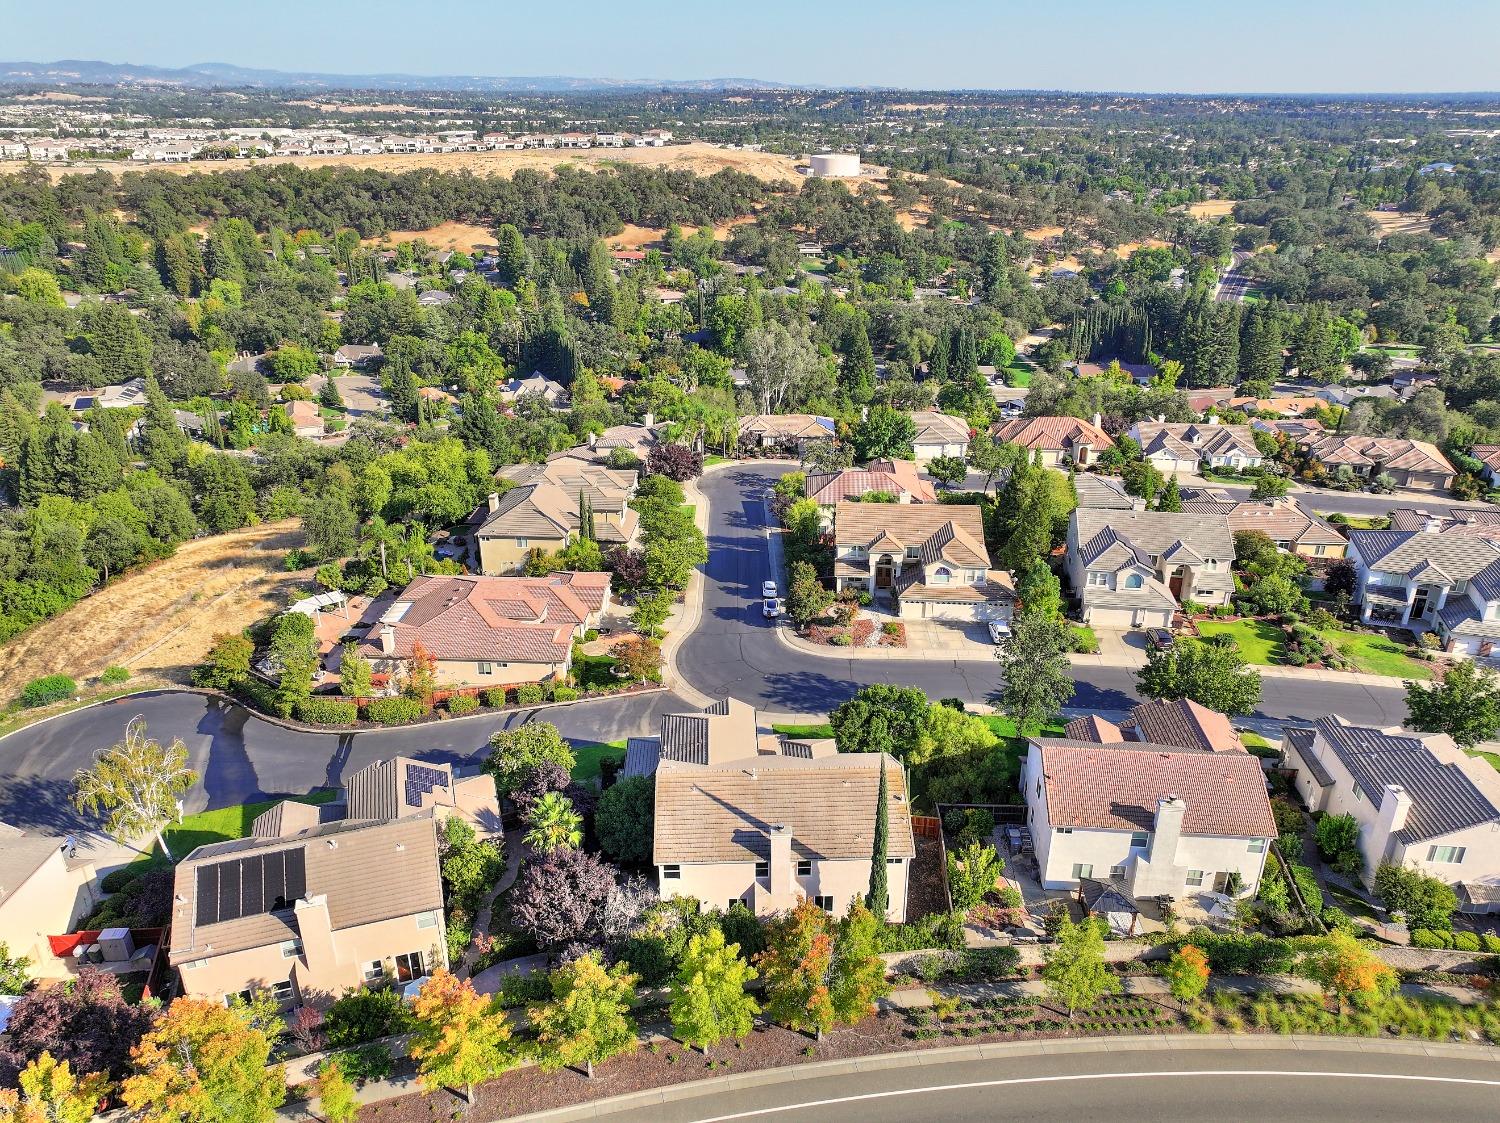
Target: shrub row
461 704
936 930
1456 941
394 711
327 711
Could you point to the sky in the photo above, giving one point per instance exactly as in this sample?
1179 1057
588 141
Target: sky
1191 46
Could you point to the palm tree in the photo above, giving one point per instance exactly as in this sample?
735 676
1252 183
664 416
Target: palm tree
553 824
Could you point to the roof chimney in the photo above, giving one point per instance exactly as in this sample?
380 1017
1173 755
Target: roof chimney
494 499
1098 420
1395 805
1166 831
387 639
781 860
593 441
649 420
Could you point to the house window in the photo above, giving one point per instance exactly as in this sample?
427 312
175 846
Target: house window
893 861
1257 846
912 553
1097 580
486 669
1082 869
245 996
291 948
1117 873
427 919
282 992
1138 838
824 903
1194 878
1064 830
409 966
671 872
374 971
1134 581
521 543
942 575
762 869
804 867
1449 854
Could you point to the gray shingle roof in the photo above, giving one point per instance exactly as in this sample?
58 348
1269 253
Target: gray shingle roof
1398 551
1444 798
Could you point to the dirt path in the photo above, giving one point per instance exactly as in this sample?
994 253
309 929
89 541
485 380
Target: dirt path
159 621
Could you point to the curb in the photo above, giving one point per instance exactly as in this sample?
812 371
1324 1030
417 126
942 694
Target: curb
692 607
1001 1051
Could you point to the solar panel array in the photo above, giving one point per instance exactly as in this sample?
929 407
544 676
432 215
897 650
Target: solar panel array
250 886
420 779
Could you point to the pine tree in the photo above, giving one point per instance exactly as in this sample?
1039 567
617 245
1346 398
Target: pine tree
513 262
1171 497
878 898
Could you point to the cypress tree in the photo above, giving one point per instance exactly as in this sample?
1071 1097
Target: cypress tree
878 898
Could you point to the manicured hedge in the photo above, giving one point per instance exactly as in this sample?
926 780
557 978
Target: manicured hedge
327 711
495 697
461 704
531 694
48 689
564 694
394 711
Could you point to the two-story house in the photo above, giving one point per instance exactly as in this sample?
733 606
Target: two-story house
1446 581
1290 525
1131 569
1177 448
542 514
1154 820
930 558
607 491
1420 801
749 817
488 631
1061 441
306 915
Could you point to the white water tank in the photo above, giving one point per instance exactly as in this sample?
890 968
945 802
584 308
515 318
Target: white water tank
835 165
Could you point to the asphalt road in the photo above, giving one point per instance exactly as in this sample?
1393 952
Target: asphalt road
1183 1084
734 651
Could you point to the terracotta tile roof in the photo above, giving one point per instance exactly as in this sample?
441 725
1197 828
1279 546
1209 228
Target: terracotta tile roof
1093 728
828 488
1117 786
1185 724
724 813
1059 434
493 619
787 426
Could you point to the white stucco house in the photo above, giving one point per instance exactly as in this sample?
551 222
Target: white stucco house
1153 820
1419 799
1185 448
1447 581
939 434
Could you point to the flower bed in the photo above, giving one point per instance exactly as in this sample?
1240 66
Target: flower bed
862 633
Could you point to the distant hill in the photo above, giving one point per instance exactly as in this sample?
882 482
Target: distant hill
212 75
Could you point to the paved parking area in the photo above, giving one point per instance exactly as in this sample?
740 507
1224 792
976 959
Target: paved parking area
961 640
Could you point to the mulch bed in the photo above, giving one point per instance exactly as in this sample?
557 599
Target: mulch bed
925 890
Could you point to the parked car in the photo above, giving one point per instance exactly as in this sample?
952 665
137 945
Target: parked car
768 590
1159 639
999 630
771 607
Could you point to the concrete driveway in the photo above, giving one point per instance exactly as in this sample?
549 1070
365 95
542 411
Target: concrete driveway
952 638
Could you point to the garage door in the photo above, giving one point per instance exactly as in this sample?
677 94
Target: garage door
1112 617
935 610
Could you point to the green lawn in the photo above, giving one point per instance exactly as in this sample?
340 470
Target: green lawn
714 458
1019 373
593 671
588 755
226 823
1492 759
1371 653
804 732
1258 641
1366 522
1377 655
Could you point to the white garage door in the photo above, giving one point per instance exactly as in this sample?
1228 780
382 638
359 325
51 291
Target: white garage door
1112 617
936 610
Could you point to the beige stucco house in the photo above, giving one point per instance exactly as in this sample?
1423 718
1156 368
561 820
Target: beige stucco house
42 893
1131 569
929 557
489 631
306 915
543 512
749 817
1058 441
939 434
1420 801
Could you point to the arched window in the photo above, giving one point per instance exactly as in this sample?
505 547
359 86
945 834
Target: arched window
1134 581
942 575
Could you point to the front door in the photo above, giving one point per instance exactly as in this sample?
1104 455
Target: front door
1419 604
1221 881
885 572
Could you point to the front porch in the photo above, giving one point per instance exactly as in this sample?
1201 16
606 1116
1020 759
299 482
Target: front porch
1414 607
